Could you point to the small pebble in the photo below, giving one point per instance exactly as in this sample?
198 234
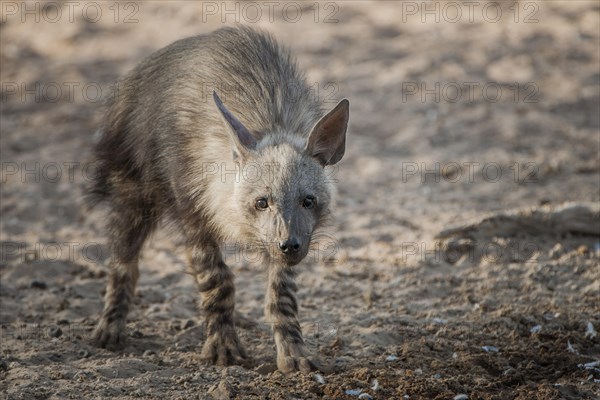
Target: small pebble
80 376
536 329
55 332
365 396
83 353
149 353
222 390
461 397
391 358
37 284
188 324
582 250
556 251
136 334
370 296
550 317
265 369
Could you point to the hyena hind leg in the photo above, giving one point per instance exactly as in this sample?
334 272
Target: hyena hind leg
130 224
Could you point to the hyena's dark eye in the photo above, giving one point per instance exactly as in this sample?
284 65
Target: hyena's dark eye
309 202
261 204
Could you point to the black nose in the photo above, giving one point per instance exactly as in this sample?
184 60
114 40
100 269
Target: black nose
290 246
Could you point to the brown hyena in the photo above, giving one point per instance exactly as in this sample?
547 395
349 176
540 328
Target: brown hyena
250 169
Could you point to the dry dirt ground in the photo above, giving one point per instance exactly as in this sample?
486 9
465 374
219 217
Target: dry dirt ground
464 259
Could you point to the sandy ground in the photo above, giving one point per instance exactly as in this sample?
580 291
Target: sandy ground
479 121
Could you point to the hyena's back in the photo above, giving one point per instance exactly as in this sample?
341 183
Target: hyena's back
163 121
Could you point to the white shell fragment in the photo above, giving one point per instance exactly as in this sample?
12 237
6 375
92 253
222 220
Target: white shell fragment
590 332
353 392
374 385
461 397
590 365
391 358
570 348
490 349
319 378
536 329
594 367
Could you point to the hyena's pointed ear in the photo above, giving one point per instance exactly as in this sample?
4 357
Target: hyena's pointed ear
242 137
327 141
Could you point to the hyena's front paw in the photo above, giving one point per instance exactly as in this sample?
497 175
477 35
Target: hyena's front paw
110 335
291 357
224 348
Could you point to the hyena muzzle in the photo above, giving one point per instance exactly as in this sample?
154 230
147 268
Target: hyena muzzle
251 169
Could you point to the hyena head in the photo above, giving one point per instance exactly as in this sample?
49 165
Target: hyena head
284 192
